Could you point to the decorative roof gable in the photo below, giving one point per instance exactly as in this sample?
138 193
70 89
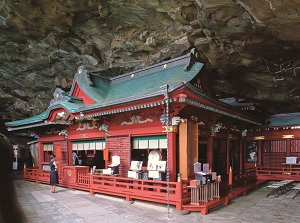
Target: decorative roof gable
81 82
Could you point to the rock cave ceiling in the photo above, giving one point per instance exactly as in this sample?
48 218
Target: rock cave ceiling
250 47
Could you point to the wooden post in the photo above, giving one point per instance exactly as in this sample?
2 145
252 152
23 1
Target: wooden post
58 155
172 156
259 155
230 177
183 150
229 165
91 184
41 157
288 147
179 195
128 197
241 154
70 151
106 157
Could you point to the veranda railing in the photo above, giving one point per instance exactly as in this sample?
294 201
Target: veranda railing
174 193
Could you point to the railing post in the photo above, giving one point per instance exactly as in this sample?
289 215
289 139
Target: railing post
128 198
91 185
179 190
179 193
230 176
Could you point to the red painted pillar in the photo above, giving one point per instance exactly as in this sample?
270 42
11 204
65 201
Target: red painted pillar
41 155
259 155
230 177
172 156
228 154
288 147
106 157
241 154
69 150
179 195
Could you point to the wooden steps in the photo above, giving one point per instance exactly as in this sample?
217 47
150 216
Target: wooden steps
227 196
204 207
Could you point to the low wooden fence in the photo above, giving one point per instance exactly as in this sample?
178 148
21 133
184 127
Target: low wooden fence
37 175
242 177
173 193
278 173
205 192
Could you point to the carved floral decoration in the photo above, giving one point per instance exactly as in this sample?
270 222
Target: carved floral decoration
87 125
52 131
216 127
64 133
136 120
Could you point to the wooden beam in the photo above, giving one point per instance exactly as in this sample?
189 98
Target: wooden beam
192 146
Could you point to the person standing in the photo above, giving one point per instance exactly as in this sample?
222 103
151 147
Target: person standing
53 173
75 157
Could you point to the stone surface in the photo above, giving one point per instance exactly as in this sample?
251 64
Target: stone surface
80 206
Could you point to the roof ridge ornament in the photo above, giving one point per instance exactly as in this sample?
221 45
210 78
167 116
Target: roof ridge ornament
85 74
59 95
194 57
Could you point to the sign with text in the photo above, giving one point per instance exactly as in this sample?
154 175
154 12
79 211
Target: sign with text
15 149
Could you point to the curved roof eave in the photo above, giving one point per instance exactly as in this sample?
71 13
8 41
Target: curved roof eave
34 119
42 117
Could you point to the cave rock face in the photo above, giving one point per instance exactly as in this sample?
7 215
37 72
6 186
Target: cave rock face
250 47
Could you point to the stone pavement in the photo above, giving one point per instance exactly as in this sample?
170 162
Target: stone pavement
40 205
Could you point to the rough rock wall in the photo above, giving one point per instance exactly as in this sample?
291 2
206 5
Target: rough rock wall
250 46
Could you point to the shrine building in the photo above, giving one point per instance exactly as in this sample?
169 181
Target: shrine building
158 134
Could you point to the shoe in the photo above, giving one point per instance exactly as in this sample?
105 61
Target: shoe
54 192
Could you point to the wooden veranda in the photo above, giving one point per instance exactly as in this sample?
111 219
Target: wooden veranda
173 193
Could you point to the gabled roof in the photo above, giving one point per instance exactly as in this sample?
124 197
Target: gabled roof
105 92
137 85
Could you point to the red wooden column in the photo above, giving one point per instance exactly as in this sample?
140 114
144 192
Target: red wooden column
58 157
69 150
183 150
106 157
230 177
259 152
288 147
241 153
41 154
172 156
228 154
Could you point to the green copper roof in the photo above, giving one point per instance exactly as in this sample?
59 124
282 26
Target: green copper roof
131 88
33 119
138 85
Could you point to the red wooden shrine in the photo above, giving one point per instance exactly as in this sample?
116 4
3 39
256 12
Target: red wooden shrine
163 117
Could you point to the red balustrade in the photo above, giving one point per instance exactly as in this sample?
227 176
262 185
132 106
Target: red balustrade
174 193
